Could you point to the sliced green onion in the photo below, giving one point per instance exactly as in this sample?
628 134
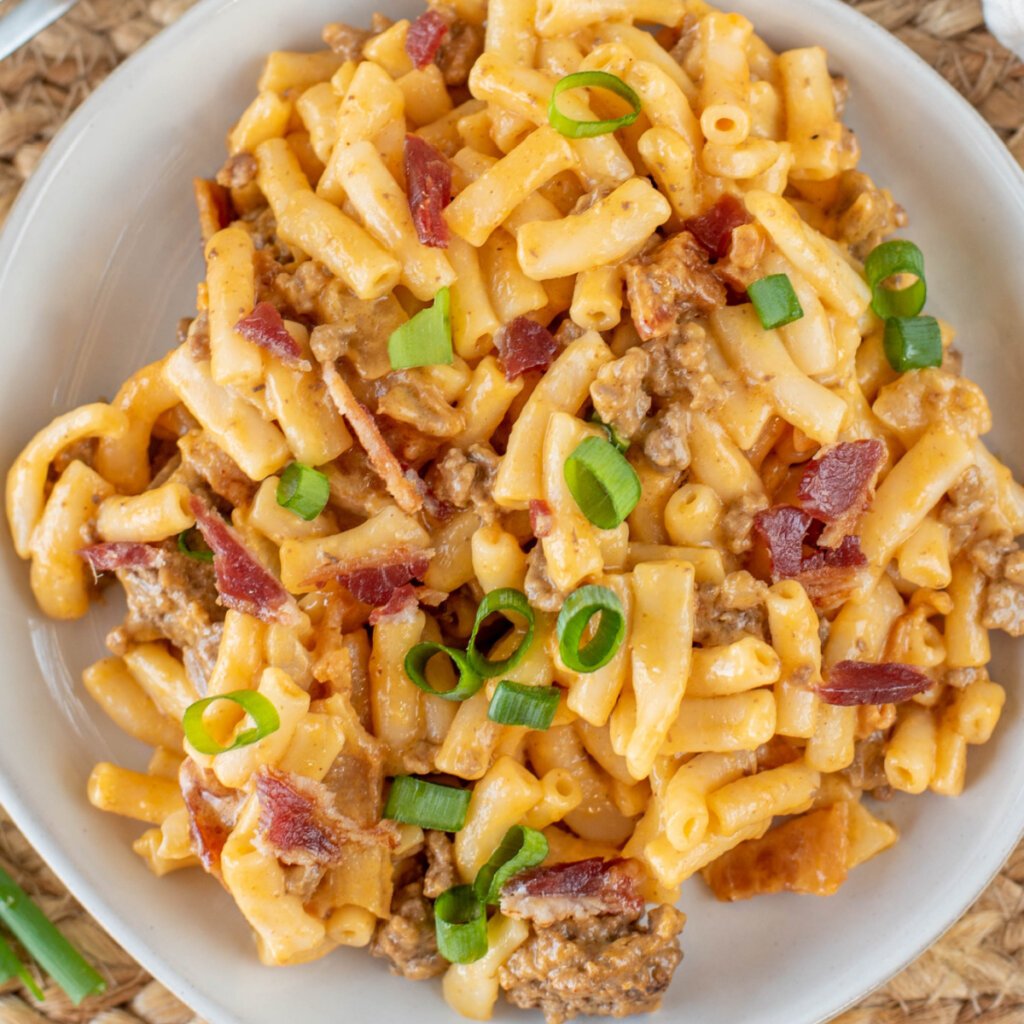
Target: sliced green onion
604 484
419 656
887 260
579 608
460 923
199 554
521 848
12 967
426 338
45 944
505 599
254 704
574 129
616 439
912 342
303 490
775 301
427 804
522 704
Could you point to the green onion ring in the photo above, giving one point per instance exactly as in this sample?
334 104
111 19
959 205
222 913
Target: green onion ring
896 257
427 804
505 599
521 848
603 483
579 608
254 704
416 669
522 704
460 923
426 338
775 301
912 342
303 490
574 129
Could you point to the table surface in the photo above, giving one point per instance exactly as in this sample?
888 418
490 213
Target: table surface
973 975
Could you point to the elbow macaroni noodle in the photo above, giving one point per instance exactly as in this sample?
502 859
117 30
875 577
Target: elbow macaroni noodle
712 717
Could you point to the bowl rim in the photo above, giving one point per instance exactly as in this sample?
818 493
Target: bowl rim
56 854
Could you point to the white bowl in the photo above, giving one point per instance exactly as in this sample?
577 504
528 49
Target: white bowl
99 259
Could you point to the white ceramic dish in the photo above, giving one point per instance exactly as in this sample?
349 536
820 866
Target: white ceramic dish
100 258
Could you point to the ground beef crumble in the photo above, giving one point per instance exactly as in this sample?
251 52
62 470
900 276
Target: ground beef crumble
679 367
665 444
407 940
605 966
670 284
1002 562
730 611
618 393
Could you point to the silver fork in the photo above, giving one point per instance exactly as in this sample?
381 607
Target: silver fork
27 20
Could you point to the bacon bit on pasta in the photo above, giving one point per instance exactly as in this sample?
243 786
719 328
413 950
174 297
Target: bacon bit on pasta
713 228
122 555
212 812
265 327
381 457
524 345
242 582
837 486
850 683
577 890
541 518
376 584
401 599
424 38
782 530
299 825
429 178
827 574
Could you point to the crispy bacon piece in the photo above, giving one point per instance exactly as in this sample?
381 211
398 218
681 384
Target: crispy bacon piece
122 555
429 178
242 582
828 574
524 345
212 812
574 891
850 683
375 584
424 38
782 531
401 598
299 825
265 327
381 457
837 486
714 227
807 854
541 518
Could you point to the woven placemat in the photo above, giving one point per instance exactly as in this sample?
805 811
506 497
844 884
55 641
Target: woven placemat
974 975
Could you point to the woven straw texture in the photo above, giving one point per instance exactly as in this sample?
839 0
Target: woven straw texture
974 975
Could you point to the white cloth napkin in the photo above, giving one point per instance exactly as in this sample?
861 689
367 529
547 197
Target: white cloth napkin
1005 19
